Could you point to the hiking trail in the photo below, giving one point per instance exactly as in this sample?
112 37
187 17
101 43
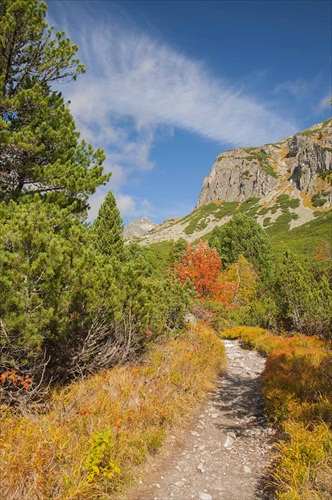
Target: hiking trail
226 453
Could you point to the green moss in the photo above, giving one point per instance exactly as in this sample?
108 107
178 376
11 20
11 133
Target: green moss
266 221
248 204
227 208
318 199
281 224
294 203
283 199
268 169
318 202
327 122
309 132
248 150
197 219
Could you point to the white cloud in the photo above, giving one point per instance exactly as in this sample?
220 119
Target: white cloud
297 88
133 206
137 88
129 206
325 103
131 76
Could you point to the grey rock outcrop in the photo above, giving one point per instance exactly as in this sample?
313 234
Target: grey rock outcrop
254 172
138 228
307 159
236 176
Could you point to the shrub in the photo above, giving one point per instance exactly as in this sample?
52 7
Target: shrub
97 431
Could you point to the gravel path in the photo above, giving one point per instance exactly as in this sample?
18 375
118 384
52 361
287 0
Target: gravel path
226 453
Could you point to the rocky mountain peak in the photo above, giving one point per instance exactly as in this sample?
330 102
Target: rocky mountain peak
138 228
243 173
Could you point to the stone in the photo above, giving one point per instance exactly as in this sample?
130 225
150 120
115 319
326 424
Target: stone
204 496
229 442
178 484
200 467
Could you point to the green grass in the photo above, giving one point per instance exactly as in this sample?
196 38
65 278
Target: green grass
309 132
197 218
249 206
302 240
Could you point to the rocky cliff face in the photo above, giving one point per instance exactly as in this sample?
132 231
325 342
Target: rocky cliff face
276 183
138 227
255 172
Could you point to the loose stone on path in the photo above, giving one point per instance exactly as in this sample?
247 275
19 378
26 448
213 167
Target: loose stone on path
227 454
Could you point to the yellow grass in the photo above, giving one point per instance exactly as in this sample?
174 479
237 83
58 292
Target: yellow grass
99 431
297 388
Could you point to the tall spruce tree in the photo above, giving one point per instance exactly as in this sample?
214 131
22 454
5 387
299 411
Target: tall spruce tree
107 229
40 148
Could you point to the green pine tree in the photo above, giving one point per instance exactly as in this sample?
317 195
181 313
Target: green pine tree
107 229
40 147
304 299
243 236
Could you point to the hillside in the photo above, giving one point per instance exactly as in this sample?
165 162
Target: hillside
278 184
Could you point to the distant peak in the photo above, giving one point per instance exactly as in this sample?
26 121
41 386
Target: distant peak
138 227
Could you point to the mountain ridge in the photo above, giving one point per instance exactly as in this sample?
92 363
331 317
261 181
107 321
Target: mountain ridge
273 183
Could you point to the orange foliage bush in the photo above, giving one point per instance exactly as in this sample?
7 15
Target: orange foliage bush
201 265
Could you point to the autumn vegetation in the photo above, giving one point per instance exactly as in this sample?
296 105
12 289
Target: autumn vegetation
97 361
297 384
98 432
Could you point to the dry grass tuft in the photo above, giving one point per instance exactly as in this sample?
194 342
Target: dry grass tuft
99 431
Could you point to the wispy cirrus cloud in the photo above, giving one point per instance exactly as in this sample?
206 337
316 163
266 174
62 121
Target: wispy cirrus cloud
137 88
315 93
137 78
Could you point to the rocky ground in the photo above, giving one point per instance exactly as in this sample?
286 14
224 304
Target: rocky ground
226 453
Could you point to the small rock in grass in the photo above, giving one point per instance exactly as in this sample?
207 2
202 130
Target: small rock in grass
247 469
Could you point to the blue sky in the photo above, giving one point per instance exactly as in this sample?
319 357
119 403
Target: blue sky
171 84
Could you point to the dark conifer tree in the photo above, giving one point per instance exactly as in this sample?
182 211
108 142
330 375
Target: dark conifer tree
107 229
40 147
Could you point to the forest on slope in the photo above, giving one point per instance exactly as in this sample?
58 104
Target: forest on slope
78 307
